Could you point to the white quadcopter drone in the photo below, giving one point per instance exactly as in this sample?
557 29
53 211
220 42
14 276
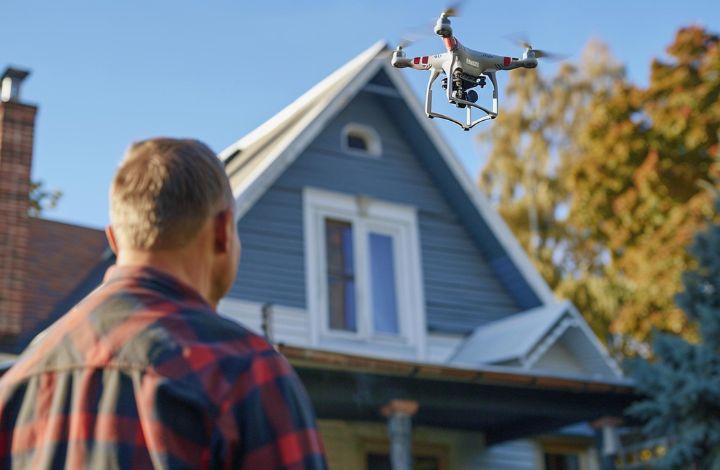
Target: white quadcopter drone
464 69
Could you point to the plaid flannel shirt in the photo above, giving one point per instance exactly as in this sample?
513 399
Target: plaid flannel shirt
144 373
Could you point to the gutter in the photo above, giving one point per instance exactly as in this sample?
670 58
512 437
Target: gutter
490 375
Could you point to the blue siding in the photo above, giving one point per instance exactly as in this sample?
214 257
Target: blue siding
462 288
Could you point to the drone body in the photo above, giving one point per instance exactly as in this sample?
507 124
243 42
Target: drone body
463 69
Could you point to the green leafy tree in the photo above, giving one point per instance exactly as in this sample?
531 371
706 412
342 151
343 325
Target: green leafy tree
42 199
682 383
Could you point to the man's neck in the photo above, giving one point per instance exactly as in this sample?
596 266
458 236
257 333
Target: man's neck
187 269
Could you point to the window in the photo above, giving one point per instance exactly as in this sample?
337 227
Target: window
565 452
363 270
561 461
425 455
383 288
381 461
360 139
341 275
357 141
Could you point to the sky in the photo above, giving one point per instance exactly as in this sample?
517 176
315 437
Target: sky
106 73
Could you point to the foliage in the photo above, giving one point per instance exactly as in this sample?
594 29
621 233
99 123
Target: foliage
599 178
682 384
42 199
636 189
532 151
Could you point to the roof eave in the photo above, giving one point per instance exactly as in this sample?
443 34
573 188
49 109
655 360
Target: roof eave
496 375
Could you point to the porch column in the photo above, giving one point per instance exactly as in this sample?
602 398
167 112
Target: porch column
609 440
399 414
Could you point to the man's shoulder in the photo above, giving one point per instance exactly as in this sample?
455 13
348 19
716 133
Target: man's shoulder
141 330
207 328
206 340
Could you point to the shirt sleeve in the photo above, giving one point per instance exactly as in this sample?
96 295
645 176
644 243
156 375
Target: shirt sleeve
270 423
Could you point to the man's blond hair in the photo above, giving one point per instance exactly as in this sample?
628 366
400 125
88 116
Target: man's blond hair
164 191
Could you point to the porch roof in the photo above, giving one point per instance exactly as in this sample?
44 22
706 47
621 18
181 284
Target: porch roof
502 403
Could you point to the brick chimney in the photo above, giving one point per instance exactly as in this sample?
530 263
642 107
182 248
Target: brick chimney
17 125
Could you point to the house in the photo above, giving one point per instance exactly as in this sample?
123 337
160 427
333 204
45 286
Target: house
419 327
400 295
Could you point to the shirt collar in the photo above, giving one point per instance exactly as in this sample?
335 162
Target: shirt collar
155 276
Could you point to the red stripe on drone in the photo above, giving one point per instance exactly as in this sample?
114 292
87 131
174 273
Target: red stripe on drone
416 60
506 61
425 60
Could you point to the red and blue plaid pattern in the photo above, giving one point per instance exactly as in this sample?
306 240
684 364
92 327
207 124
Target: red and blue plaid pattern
144 374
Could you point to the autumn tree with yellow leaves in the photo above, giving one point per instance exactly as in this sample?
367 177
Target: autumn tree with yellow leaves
603 181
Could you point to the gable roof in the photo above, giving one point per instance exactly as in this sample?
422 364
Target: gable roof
526 337
254 162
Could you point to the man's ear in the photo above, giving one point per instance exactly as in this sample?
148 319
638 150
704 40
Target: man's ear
111 239
223 230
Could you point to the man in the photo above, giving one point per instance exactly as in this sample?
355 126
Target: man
143 373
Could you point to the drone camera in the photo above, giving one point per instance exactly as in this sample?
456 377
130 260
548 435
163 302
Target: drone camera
471 96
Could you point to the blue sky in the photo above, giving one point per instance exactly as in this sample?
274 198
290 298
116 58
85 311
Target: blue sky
105 73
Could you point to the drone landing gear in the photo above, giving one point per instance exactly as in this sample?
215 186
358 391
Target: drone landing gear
462 99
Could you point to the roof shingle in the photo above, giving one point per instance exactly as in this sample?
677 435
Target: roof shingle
60 255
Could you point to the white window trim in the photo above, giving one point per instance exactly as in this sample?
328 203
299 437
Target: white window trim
368 133
365 213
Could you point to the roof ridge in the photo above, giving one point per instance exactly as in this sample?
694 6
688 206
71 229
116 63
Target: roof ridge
280 119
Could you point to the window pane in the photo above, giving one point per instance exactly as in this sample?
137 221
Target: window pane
382 272
562 461
358 142
378 462
340 275
381 461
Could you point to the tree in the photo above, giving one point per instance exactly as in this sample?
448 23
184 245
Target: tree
636 187
532 149
602 188
42 199
682 383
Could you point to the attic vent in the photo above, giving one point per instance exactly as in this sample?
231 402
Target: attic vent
359 139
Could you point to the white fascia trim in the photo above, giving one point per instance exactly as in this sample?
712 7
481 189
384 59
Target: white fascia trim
503 234
294 143
550 337
570 318
590 335
305 99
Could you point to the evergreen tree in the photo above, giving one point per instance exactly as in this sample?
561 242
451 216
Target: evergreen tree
682 382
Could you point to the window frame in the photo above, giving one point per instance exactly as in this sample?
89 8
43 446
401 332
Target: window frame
581 447
370 135
420 448
367 215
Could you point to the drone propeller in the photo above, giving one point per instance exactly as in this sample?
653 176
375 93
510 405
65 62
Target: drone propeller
410 38
522 41
542 54
453 9
425 30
